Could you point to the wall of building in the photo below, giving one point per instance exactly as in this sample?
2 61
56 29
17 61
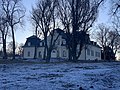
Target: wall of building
40 52
93 50
60 50
82 56
29 52
95 53
118 55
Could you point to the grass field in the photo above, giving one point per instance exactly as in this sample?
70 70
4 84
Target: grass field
60 76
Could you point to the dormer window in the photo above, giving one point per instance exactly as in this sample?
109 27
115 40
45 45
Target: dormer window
64 53
53 51
28 54
29 43
40 43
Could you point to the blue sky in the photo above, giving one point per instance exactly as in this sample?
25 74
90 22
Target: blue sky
27 30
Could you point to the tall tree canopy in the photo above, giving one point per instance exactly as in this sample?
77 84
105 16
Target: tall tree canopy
44 17
14 12
77 16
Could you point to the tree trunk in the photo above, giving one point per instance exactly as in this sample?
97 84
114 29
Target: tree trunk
4 48
73 48
74 44
48 56
35 53
104 54
45 46
69 54
13 37
74 54
44 54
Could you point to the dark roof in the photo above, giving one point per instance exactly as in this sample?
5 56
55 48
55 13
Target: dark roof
58 30
61 32
33 40
94 44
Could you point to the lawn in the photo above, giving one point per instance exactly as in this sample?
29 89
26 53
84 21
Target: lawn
60 76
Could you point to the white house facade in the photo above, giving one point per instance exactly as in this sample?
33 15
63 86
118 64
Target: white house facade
118 55
34 44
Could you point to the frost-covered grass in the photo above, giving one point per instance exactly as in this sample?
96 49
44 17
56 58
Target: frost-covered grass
60 76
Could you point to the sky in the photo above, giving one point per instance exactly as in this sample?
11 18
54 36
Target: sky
27 30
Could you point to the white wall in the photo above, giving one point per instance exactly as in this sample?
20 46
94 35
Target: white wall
64 51
95 49
90 57
60 50
28 49
40 49
118 55
82 56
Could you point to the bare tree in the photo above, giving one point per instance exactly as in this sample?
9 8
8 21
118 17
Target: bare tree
108 37
79 15
14 12
44 18
102 36
20 49
64 14
4 32
115 6
10 48
113 40
4 29
115 12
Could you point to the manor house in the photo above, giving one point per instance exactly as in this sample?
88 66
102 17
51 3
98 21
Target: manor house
92 52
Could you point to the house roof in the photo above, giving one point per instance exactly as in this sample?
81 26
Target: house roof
33 40
58 30
94 44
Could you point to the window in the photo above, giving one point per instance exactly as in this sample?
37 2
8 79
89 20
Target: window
64 53
40 43
88 51
57 53
28 54
92 53
29 43
97 54
53 51
40 56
